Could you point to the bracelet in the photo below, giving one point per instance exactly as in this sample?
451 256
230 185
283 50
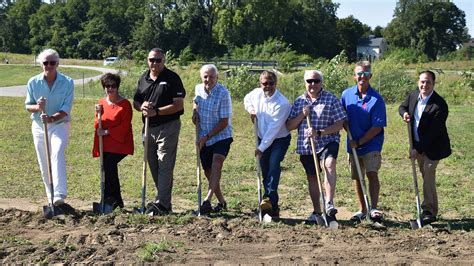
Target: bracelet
207 136
52 119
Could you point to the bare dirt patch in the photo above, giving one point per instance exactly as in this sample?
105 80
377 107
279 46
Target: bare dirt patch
122 237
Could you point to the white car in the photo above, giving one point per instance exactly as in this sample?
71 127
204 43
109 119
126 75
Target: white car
110 60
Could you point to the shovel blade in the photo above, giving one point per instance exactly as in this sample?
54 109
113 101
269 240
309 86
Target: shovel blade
415 224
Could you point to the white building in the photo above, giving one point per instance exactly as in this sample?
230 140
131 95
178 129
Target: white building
371 48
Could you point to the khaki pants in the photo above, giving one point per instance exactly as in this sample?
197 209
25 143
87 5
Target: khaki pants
430 196
162 147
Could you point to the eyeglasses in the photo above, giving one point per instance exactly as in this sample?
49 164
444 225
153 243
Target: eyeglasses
155 60
311 81
365 73
267 83
111 86
51 63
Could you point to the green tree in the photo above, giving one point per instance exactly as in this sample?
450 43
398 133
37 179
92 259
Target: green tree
349 31
17 31
432 27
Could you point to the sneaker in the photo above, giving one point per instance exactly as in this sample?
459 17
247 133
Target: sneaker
206 207
330 209
220 207
266 205
316 218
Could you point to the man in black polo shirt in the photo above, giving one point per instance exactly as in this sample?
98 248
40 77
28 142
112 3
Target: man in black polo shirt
160 96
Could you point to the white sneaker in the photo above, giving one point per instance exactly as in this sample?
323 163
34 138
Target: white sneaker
316 218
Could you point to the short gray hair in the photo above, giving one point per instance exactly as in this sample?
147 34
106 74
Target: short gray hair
206 67
314 71
365 64
47 52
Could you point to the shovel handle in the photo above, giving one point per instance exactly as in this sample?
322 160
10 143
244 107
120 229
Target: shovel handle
48 158
198 171
101 156
359 171
259 170
318 170
413 169
145 161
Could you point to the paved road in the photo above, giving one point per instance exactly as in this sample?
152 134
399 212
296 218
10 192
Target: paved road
20 91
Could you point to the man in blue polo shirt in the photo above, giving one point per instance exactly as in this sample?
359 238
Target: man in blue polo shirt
367 117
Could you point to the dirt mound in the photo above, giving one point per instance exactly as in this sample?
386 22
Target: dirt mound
230 238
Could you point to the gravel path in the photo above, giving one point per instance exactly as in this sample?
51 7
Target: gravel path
20 90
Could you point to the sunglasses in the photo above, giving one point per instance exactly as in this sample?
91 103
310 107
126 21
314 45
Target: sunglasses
267 83
365 73
155 60
51 63
110 86
311 81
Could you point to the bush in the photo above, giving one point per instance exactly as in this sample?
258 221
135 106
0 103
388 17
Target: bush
405 55
392 80
335 72
240 81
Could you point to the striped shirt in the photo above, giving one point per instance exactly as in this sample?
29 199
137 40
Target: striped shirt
212 108
325 111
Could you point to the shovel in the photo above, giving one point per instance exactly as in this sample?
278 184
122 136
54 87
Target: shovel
102 207
359 173
198 171
417 223
259 171
145 162
49 211
333 223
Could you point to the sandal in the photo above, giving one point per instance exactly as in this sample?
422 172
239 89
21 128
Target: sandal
358 217
376 215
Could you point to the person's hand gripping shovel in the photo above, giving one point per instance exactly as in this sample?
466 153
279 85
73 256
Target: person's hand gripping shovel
50 210
101 207
415 224
328 221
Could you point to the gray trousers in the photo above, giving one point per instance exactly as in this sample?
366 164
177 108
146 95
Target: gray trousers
162 148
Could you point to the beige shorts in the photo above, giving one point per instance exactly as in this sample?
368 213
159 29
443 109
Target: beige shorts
370 162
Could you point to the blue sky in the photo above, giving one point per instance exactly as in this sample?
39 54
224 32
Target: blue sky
380 12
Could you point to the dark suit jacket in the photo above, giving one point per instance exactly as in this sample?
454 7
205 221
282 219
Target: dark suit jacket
432 131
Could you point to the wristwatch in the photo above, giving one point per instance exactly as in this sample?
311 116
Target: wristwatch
318 133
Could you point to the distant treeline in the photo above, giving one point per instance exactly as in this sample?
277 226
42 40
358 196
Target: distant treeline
204 29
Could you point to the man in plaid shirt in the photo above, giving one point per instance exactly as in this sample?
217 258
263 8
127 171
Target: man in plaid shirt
327 117
212 110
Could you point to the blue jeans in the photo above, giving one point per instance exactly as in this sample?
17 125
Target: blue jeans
271 170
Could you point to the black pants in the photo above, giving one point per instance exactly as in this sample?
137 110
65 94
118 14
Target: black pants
112 183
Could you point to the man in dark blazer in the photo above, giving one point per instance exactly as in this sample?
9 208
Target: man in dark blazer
427 112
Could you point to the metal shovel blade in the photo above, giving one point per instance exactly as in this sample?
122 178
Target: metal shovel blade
98 209
415 224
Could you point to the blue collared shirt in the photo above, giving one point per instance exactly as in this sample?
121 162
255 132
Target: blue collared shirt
58 98
325 111
212 108
364 114
420 107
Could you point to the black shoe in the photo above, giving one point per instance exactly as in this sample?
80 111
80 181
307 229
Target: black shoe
220 207
156 209
428 218
206 207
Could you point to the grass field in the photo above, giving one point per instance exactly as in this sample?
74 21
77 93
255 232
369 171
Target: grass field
20 175
11 75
